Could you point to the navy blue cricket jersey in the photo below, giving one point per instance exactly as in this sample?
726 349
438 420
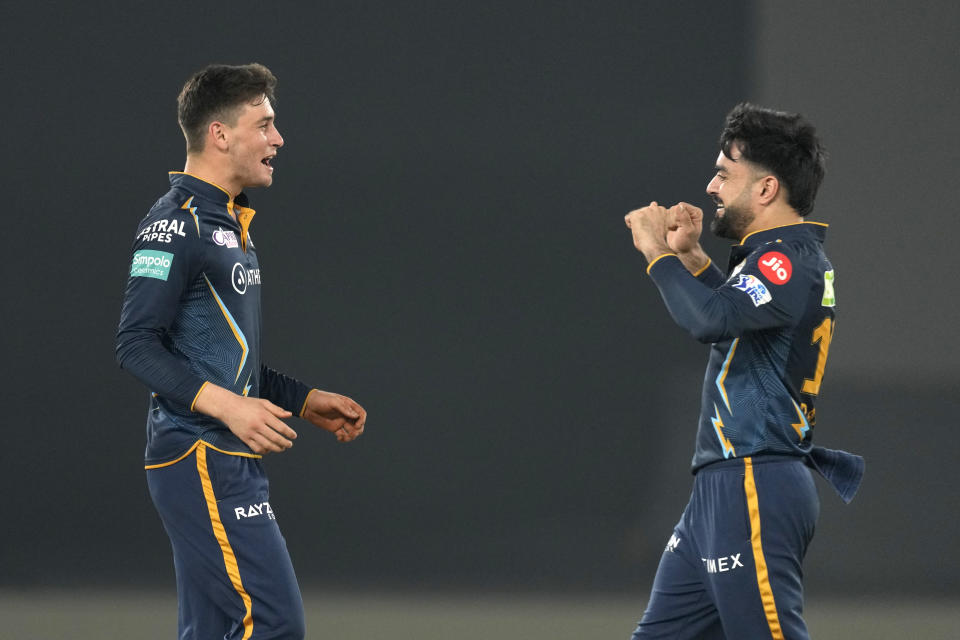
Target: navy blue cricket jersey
191 316
770 321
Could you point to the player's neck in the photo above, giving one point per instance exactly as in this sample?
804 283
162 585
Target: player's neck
200 166
779 215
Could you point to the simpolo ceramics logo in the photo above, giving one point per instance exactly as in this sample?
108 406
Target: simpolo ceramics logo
151 264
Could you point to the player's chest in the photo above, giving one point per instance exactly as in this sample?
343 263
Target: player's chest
231 269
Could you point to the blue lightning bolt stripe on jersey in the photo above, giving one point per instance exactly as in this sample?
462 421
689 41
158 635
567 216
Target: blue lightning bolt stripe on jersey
769 321
191 316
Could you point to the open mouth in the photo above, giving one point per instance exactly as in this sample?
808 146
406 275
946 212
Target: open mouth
266 161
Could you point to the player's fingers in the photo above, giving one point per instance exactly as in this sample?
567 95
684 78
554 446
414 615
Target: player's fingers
276 432
695 213
355 428
276 442
279 427
348 407
360 414
259 444
254 444
280 412
673 213
346 427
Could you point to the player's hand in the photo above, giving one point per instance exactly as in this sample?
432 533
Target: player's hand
256 421
684 226
335 413
649 228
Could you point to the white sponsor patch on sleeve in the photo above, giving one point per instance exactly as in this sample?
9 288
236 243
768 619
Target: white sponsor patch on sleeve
166 230
753 287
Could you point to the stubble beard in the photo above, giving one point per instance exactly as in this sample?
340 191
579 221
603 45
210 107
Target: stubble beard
733 224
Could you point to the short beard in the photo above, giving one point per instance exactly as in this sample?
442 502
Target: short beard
733 224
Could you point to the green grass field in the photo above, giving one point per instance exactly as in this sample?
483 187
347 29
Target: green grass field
79 615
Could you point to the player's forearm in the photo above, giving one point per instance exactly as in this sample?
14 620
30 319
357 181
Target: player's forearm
695 260
692 304
214 401
283 390
143 355
699 264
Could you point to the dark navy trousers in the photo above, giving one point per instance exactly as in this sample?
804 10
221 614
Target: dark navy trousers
234 575
733 566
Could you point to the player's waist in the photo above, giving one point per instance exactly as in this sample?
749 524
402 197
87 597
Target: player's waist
755 459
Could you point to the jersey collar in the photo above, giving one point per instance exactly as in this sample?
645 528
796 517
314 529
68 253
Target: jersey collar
203 188
237 207
738 252
775 234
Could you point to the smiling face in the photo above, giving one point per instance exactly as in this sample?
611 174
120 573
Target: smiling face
732 188
252 144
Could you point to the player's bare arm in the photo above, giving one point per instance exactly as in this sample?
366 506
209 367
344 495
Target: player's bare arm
684 226
335 413
649 228
256 421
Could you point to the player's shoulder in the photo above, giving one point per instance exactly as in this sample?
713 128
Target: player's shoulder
173 204
170 221
785 261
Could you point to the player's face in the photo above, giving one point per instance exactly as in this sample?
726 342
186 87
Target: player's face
731 188
254 141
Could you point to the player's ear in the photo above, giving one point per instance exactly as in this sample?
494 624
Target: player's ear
769 189
217 135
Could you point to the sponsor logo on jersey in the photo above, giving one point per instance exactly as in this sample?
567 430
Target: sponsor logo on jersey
151 264
161 231
753 287
722 565
775 267
829 297
225 238
242 277
254 511
672 543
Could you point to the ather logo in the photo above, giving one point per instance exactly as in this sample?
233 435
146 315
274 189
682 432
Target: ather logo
242 277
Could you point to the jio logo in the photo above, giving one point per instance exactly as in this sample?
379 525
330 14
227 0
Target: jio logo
239 279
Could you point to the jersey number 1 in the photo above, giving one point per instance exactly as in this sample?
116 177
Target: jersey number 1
822 334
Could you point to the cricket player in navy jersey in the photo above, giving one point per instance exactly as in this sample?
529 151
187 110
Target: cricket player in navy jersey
190 331
732 567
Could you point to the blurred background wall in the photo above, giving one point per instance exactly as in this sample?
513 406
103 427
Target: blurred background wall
444 243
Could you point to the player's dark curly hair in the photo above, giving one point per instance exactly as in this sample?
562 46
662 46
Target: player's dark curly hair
215 93
784 143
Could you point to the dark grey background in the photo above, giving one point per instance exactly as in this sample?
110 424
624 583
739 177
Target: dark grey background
444 242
